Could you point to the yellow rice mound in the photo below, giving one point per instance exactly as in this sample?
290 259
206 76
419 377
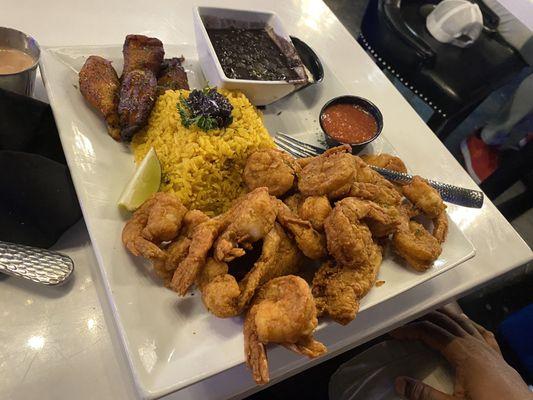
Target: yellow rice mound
204 169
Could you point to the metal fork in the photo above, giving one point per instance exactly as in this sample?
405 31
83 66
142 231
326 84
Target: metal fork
450 193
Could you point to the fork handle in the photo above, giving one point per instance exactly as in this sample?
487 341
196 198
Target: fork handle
38 265
450 193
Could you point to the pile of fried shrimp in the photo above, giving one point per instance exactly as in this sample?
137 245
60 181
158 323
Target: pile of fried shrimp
332 209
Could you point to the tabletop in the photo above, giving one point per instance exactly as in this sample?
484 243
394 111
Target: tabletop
59 343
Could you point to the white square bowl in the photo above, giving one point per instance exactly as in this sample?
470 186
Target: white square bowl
260 93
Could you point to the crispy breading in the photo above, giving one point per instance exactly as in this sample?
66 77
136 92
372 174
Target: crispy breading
99 85
225 297
384 160
329 174
158 219
424 197
339 289
283 311
270 168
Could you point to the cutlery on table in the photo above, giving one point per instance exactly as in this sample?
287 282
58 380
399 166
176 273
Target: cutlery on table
38 265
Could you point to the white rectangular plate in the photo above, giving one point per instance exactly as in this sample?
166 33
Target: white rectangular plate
172 342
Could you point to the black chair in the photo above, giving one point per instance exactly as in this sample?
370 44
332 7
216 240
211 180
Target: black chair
451 80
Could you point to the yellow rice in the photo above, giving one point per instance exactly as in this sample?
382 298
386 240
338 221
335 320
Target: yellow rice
204 169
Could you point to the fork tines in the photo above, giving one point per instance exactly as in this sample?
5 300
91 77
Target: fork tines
295 147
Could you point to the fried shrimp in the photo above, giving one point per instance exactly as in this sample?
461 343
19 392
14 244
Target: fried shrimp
339 289
283 311
221 293
311 242
315 209
416 246
349 239
293 202
159 218
164 218
440 227
386 161
270 168
202 239
424 197
251 219
220 290
329 174
370 185
178 249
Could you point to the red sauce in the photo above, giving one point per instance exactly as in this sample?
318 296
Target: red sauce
348 123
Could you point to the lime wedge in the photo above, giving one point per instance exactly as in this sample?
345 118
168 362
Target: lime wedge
143 184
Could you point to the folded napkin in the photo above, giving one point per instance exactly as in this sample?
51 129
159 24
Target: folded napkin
38 201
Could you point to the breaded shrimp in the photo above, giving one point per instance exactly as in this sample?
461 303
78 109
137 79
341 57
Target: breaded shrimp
270 168
330 174
164 218
202 239
221 293
424 197
315 209
178 249
370 185
242 224
349 239
416 246
158 218
251 220
311 242
339 289
283 311
440 227
386 161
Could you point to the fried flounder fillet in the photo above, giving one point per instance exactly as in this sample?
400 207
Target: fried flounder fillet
284 312
99 85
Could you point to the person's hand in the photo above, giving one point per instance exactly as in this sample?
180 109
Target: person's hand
481 373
